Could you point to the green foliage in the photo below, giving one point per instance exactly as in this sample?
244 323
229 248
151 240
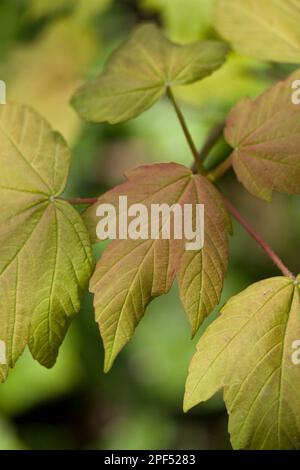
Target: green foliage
179 24
45 250
248 352
265 134
263 320
49 92
139 73
31 385
144 269
82 8
41 8
264 29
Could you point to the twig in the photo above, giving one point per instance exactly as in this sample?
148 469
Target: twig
220 170
264 245
80 200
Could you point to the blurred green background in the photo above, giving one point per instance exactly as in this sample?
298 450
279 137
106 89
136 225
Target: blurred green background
47 48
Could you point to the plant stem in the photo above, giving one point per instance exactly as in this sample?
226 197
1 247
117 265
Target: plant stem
214 175
264 245
80 200
187 134
220 170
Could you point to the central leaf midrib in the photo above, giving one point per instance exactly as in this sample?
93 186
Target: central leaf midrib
138 272
237 333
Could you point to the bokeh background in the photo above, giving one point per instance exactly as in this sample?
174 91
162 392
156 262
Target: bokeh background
47 49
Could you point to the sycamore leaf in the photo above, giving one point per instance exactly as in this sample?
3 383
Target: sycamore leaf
132 272
265 135
202 272
176 16
249 351
263 29
45 253
139 72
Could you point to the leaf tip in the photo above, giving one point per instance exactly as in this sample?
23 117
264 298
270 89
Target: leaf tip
106 368
186 404
194 331
109 360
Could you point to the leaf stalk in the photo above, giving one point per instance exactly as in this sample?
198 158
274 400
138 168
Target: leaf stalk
80 200
263 244
220 170
198 162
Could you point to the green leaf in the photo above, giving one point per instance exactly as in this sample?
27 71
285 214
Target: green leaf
201 273
264 29
45 253
265 135
139 72
131 273
248 351
176 15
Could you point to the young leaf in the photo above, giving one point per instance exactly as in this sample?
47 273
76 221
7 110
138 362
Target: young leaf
248 351
201 273
263 29
140 71
132 272
45 253
265 135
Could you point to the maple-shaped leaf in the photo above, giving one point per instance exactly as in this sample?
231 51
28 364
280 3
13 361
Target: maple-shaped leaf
202 272
250 352
141 70
45 252
263 29
131 273
265 135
